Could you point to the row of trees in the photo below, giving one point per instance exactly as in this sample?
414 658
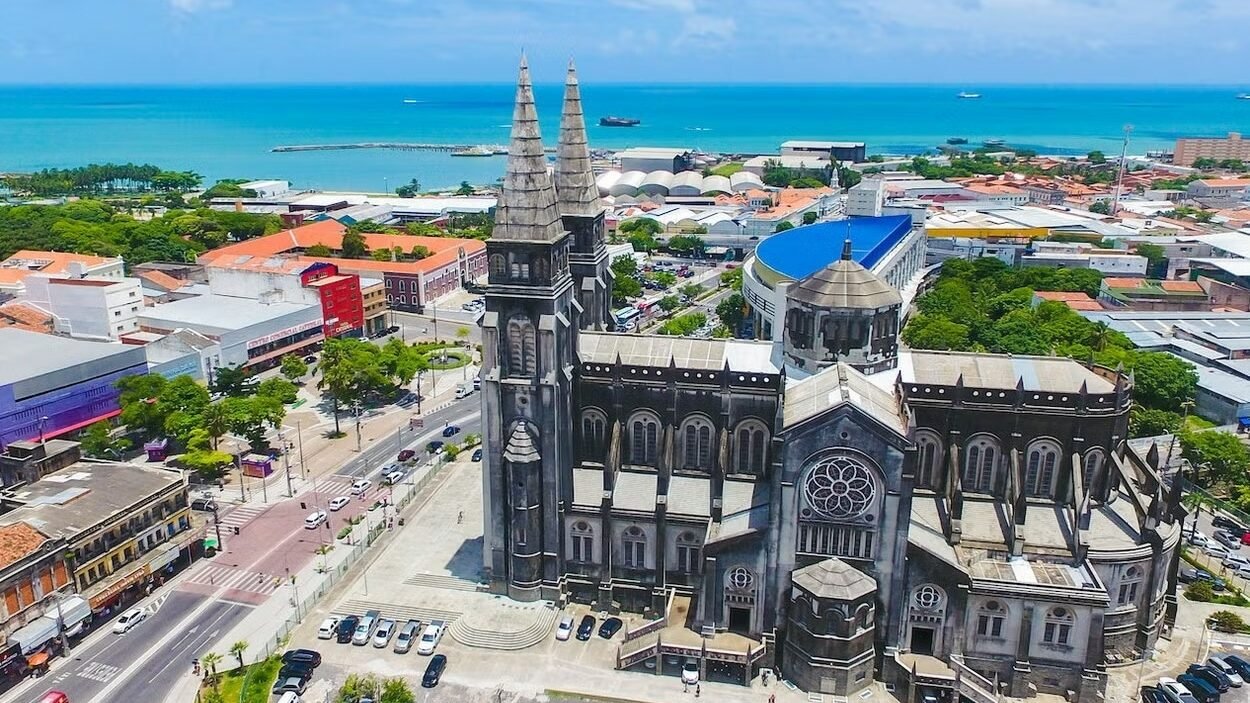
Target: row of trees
354 372
99 179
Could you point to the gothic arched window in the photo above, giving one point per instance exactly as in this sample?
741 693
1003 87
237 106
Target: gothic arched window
1091 468
688 552
583 541
1039 475
990 618
498 267
980 464
594 434
634 543
522 347
1129 584
644 432
929 459
750 447
696 442
1058 626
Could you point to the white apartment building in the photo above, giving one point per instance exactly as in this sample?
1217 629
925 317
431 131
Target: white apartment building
87 307
864 199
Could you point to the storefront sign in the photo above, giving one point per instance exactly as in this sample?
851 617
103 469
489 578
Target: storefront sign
283 334
104 597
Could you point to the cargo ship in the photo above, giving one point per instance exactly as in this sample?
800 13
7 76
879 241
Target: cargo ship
611 121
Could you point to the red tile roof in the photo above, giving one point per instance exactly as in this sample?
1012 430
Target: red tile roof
1181 286
25 316
17 541
162 280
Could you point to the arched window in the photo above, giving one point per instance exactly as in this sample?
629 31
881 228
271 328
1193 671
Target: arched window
1039 475
1058 626
696 442
1091 469
594 434
688 552
520 267
750 447
1129 583
980 464
929 459
582 536
634 543
644 430
990 619
522 347
498 267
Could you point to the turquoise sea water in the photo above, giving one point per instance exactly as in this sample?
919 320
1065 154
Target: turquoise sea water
227 131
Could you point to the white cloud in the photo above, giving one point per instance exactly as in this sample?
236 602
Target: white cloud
193 6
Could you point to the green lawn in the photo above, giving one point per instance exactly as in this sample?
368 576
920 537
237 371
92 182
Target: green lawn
455 359
728 169
260 678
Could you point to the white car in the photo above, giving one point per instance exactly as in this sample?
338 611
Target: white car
690 673
1197 539
382 635
338 503
565 628
394 477
129 619
1175 691
1236 561
1215 549
328 627
429 639
315 519
360 485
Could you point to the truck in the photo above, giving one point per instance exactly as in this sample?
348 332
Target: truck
464 390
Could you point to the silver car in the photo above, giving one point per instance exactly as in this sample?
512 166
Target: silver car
407 634
382 636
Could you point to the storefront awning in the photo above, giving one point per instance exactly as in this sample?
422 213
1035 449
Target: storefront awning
167 554
103 593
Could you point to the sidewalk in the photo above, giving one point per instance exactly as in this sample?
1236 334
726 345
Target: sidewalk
266 626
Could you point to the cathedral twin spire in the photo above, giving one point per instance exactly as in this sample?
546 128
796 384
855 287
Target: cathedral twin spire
528 208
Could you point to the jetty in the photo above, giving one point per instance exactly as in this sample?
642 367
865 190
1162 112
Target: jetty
398 146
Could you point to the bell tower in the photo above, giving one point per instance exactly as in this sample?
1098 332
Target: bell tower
529 337
582 213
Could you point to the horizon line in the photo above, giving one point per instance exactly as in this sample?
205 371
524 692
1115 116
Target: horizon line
965 85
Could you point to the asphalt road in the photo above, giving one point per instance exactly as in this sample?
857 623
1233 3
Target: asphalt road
465 413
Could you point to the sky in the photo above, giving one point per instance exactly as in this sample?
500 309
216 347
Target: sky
958 42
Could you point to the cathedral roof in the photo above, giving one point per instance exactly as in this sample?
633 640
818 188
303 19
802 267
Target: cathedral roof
835 386
845 284
662 351
834 579
527 204
1006 372
576 191
520 448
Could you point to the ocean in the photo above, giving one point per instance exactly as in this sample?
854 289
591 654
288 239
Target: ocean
227 132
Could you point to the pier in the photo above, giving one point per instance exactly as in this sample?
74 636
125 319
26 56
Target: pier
497 149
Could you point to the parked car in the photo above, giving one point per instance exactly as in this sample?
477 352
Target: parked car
1227 524
1234 677
610 627
207 505
434 671
300 670
1234 561
382 636
364 628
360 486
1191 575
1241 666
429 638
586 627
328 627
1203 691
1175 691
406 454
1150 694
1245 538
407 634
1215 549
477 454
310 359
291 684
690 672
394 477
565 629
451 430
1211 675
435 446
1196 538
312 656
314 519
337 503
346 628
129 619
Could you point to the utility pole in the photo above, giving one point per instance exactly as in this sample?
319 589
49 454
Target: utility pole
286 462
60 627
239 463
357 411
217 526
299 434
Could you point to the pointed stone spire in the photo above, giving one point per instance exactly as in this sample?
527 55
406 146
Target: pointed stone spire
527 206
575 180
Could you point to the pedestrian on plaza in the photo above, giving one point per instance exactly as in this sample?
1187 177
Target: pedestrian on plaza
685 687
698 690
772 698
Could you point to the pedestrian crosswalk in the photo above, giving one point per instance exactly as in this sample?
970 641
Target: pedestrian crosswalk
237 579
340 485
240 516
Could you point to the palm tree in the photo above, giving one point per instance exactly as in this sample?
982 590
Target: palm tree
1102 333
1195 502
216 422
237 649
210 662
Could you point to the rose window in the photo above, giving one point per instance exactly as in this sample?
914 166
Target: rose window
839 488
740 579
927 597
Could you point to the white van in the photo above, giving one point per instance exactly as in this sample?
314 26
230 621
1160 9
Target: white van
464 390
290 697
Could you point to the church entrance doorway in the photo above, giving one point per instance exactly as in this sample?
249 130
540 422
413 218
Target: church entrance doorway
922 640
739 620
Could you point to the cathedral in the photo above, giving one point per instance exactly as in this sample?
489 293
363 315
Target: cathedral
829 505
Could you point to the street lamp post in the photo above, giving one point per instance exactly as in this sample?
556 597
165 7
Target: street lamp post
239 463
286 462
60 628
356 409
299 434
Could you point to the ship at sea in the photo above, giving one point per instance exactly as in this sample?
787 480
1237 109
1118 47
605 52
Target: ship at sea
994 143
613 121
1243 96
956 140
968 96
474 151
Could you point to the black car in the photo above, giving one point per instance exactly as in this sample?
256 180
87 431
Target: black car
311 656
1227 524
1150 694
1195 574
477 454
586 627
1211 675
1203 691
310 359
1241 666
392 329
207 505
610 627
450 430
346 628
434 671
434 446
296 670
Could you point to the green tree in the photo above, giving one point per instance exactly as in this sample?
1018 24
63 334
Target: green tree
411 189
279 389
1163 380
1147 422
1102 207
686 244
1226 621
934 332
419 252
237 650
462 334
1096 157
350 371
357 686
1200 592
1221 452
233 381
401 362
381 255
216 422
809 218
98 441
293 368
252 417
669 303
464 189
732 278
210 661
319 250
683 325
1015 333
208 463
664 278
1156 259
138 401
397 691
625 283
353 246
783 226
731 310
691 290
640 233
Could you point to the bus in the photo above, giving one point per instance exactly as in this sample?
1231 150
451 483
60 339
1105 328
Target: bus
626 317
